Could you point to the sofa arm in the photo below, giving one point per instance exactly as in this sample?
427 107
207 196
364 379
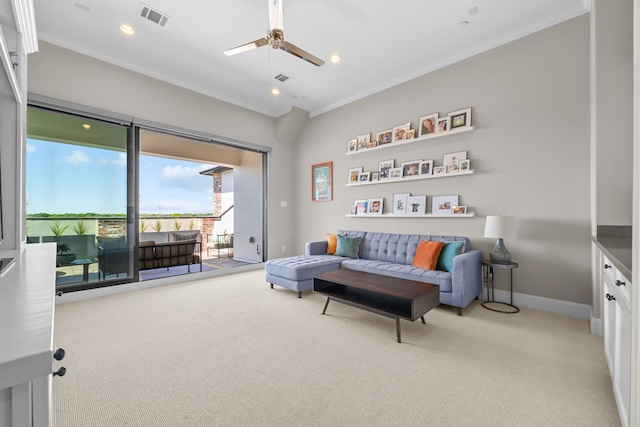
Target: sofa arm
466 277
316 248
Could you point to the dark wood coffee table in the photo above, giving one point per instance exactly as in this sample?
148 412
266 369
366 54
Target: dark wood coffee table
387 296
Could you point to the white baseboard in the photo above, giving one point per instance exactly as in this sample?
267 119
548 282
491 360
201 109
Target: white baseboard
567 308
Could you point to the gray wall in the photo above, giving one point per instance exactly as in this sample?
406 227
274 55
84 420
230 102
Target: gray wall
529 150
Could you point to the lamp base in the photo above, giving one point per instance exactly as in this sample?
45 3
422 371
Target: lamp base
499 254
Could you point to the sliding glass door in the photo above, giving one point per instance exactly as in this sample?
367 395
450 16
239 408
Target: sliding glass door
79 182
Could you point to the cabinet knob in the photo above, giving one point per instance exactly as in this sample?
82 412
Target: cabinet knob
607 266
620 283
59 354
59 293
60 372
610 297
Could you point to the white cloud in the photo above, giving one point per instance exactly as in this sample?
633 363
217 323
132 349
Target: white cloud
121 161
170 173
31 148
77 157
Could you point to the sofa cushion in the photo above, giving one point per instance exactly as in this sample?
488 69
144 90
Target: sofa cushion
449 250
302 267
427 255
176 237
440 278
348 246
147 243
332 243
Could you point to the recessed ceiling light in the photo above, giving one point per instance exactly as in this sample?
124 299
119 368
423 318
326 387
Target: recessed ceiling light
127 29
335 58
275 91
87 126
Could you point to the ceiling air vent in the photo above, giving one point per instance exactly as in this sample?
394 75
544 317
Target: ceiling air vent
283 78
153 15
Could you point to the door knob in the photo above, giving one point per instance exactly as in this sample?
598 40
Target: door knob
59 354
60 372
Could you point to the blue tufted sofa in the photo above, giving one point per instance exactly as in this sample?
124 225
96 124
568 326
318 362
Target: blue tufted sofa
387 254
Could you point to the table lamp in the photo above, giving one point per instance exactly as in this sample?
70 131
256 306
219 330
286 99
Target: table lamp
499 227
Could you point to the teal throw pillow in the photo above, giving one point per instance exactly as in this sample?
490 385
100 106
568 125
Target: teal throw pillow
449 250
348 246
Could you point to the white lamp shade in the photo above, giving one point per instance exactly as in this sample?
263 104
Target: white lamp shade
500 227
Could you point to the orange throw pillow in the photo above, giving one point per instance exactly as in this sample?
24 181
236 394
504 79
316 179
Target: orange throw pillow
332 244
427 254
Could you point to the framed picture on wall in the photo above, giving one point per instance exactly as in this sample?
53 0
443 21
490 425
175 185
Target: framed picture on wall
384 137
443 124
460 119
426 167
443 205
427 124
450 160
416 205
400 132
375 206
384 166
321 185
400 203
354 173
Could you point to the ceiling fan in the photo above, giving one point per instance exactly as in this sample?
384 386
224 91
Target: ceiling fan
275 37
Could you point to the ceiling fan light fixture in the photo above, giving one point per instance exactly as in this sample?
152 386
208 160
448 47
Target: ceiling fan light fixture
127 29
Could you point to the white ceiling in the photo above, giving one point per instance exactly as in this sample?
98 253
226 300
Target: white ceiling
382 43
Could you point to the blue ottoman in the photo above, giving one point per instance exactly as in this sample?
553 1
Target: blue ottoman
297 272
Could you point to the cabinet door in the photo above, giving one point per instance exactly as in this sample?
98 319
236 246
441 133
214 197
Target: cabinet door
622 374
609 318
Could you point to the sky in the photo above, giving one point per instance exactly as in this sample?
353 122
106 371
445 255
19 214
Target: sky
65 178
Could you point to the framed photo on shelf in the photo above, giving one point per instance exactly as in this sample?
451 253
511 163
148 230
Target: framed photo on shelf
395 173
363 141
427 124
416 205
384 167
460 119
375 176
450 160
352 210
411 168
384 137
352 145
400 203
354 174
375 206
426 167
363 177
439 170
443 124
443 205
411 133
464 165
361 207
321 185
400 132
459 210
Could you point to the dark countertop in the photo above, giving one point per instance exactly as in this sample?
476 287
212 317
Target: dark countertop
616 247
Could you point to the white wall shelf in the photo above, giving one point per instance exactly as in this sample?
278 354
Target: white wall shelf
388 215
409 178
411 141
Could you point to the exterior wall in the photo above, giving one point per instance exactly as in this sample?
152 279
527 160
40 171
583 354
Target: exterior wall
529 150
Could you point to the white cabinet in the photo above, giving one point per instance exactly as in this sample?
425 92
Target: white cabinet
27 292
617 334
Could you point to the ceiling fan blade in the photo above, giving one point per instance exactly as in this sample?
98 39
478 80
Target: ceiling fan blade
295 50
249 46
275 14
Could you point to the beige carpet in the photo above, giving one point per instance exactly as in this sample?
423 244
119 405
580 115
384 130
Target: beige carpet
229 351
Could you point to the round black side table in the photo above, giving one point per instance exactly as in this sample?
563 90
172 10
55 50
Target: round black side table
487 278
